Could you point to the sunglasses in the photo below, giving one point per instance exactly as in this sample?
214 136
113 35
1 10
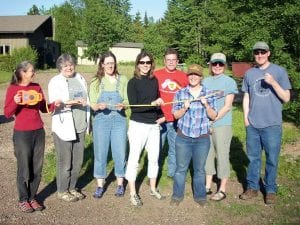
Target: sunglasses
145 62
218 63
257 52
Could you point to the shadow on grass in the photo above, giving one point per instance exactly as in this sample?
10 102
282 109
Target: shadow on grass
239 160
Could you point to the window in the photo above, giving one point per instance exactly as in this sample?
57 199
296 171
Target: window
4 50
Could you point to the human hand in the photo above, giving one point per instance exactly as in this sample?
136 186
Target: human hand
161 120
158 102
58 103
269 79
120 106
187 104
204 101
101 106
246 122
18 98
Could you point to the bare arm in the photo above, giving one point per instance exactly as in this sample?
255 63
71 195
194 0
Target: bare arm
227 106
284 95
212 114
246 108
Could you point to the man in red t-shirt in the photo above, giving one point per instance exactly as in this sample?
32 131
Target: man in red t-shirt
170 80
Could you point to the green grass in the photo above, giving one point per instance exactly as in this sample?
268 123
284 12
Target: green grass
5 77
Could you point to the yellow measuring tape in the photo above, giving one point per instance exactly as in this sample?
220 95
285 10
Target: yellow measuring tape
169 103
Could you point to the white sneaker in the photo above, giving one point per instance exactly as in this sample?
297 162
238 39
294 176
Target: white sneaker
156 194
136 200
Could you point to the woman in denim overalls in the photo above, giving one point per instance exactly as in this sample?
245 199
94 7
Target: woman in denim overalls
108 93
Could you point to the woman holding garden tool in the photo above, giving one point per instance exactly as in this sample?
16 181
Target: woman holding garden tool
192 140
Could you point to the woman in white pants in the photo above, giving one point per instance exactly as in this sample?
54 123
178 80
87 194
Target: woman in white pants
143 131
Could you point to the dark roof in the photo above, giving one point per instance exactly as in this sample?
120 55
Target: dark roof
26 24
129 45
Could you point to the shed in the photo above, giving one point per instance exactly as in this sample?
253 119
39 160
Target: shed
124 52
31 30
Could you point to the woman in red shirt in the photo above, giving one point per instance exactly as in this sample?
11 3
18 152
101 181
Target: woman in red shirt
24 100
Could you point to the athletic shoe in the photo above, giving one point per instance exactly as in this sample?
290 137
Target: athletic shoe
136 200
99 192
119 191
25 207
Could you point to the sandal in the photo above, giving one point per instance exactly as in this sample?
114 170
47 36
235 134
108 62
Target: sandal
219 196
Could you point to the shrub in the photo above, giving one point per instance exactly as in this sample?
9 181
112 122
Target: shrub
6 63
25 53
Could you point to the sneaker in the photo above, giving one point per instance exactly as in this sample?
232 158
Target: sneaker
67 197
201 202
136 200
156 194
219 196
208 191
270 198
174 202
99 192
77 194
250 193
119 191
25 207
35 205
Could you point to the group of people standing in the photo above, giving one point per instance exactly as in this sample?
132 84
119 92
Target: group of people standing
193 113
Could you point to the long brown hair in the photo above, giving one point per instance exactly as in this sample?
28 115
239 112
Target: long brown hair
137 72
100 73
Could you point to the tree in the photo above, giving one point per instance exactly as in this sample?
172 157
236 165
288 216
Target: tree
34 10
104 24
67 23
146 20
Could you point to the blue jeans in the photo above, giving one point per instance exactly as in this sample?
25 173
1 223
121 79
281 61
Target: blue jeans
168 131
269 139
186 149
109 130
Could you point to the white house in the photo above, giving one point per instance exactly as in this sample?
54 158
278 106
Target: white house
124 52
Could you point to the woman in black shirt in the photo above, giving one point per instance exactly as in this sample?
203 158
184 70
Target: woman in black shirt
142 90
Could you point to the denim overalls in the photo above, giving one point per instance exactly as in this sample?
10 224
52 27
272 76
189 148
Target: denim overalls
110 128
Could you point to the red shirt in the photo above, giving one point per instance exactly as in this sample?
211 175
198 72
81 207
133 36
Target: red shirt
169 83
27 117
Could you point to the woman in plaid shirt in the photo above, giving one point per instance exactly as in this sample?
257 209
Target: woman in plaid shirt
192 141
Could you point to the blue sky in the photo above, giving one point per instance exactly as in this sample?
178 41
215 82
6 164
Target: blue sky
154 8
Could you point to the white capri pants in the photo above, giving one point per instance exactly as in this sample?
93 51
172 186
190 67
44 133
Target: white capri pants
140 136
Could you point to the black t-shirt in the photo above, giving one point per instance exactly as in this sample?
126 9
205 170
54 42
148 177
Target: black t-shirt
143 91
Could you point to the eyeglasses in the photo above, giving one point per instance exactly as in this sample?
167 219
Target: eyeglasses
259 51
145 62
218 63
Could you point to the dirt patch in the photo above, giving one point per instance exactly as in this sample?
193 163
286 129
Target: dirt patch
113 210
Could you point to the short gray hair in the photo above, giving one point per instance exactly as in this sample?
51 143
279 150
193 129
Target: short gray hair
62 59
